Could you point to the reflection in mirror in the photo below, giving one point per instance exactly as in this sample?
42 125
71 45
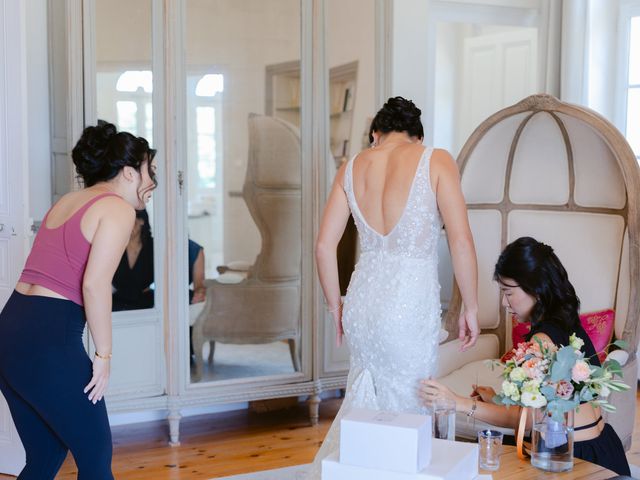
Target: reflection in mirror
480 69
244 193
350 38
124 87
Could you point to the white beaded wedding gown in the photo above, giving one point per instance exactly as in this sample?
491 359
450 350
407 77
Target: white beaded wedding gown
391 313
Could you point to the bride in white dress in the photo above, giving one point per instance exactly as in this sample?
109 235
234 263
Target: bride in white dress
399 193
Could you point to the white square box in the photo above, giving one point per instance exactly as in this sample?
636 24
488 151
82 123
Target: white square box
399 442
449 461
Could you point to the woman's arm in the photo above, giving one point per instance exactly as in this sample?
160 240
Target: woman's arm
489 412
453 209
199 289
108 243
334 221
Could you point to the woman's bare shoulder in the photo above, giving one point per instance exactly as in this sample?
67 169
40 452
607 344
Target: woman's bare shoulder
116 206
442 156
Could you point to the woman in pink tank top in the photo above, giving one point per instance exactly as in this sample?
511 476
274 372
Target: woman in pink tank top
53 389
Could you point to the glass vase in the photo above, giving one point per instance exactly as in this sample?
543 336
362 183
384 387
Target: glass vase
552 441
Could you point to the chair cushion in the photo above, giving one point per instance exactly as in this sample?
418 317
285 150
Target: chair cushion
598 325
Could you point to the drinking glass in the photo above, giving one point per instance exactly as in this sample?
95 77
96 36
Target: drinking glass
490 446
444 419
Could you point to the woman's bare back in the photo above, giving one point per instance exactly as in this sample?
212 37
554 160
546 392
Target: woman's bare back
382 181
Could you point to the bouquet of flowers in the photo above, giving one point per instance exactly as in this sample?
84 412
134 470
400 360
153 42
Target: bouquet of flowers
540 375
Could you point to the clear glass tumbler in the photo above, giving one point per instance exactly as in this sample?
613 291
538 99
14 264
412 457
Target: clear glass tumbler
490 448
444 419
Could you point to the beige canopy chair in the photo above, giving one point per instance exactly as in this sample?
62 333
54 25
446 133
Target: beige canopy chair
565 176
264 307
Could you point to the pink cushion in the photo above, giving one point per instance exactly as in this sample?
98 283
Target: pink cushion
598 325
519 330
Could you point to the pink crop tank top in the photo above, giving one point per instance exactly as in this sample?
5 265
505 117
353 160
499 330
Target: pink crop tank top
59 255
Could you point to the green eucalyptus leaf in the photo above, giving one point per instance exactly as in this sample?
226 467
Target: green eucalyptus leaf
621 344
565 360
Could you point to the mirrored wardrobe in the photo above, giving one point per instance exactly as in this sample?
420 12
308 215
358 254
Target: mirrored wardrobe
252 106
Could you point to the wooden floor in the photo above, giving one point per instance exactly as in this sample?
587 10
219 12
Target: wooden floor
230 443
215 445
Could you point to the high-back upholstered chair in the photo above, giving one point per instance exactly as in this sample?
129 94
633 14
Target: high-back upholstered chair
565 176
264 307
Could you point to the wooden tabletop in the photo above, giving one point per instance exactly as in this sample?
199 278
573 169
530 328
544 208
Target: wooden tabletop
512 468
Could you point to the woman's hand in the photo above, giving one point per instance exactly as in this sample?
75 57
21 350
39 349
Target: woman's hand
468 329
98 384
431 390
483 394
199 295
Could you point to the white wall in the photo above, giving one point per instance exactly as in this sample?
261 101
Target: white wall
38 110
410 74
602 60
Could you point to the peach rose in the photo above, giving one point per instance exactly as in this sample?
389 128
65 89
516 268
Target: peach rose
580 371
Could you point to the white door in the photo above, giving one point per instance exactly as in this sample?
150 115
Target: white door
498 70
13 188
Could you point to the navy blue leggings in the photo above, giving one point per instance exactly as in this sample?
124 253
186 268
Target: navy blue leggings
43 371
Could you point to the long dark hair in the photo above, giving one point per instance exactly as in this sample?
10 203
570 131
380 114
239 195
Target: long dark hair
538 271
102 152
397 115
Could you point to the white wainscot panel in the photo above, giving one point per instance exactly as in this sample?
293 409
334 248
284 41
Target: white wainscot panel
137 366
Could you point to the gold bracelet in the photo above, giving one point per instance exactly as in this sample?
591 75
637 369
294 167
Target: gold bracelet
103 357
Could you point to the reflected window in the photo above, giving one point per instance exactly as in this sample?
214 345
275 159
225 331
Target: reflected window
132 80
209 85
205 109
130 92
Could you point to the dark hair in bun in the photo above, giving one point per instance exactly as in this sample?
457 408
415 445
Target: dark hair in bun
102 152
397 115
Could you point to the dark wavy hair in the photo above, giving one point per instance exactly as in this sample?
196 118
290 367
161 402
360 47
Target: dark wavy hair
539 272
397 115
102 152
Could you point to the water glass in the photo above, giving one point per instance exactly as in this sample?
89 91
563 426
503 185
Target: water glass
444 419
490 447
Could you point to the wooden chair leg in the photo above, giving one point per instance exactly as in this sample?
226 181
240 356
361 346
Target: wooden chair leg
212 349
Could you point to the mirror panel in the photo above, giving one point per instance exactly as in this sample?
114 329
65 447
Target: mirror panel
243 113
350 47
124 88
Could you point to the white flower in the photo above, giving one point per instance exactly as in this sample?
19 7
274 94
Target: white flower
604 392
517 374
576 342
535 400
531 386
509 389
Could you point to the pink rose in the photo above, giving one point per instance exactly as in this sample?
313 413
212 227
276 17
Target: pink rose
532 367
564 389
580 371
